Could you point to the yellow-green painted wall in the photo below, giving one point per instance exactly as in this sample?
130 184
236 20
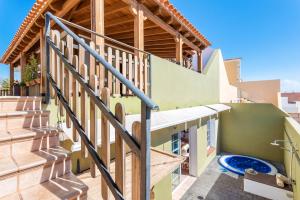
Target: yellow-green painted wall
174 86
162 139
292 133
248 129
203 159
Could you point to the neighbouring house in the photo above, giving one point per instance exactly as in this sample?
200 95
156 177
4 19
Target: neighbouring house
136 108
259 91
291 104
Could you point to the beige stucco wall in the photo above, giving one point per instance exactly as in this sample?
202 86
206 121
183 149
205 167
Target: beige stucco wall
264 91
232 67
228 93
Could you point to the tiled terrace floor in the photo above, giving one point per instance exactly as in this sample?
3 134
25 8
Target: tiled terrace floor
217 184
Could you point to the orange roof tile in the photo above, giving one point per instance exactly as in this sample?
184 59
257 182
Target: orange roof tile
40 4
33 13
169 6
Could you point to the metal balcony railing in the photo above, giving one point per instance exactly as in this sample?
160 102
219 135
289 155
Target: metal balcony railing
60 58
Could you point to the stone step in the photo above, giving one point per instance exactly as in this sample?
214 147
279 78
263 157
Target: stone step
67 187
13 103
20 141
24 119
25 170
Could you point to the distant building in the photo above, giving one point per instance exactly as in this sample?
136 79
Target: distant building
291 104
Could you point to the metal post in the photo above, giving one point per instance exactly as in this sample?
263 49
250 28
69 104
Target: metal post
47 52
145 151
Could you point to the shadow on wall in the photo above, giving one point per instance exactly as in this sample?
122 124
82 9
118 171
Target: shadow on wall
248 129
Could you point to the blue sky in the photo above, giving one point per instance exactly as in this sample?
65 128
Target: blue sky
265 33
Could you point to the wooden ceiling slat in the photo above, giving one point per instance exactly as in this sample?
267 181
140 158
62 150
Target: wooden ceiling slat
109 10
119 21
83 11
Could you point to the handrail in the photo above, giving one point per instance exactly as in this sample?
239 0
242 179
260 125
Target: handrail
90 147
149 103
141 150
125 134
100 35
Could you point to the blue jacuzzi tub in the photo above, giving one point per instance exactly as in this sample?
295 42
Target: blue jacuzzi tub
238 164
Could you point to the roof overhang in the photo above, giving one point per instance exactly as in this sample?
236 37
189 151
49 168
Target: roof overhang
35 20
164 119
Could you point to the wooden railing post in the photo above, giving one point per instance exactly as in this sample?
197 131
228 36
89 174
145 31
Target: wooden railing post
117 81
61 74
57 62
93 122
136 163
124 71
120 150
67 87
139 143
74 97
105 141
110 76
83 108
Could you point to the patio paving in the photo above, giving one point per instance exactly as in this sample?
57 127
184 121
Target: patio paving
216 183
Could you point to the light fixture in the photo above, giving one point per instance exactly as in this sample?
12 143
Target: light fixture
293 145
293 149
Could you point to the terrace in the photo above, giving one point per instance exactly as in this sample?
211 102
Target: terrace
244 130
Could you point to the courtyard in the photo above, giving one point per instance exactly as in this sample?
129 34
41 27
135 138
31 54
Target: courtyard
216 183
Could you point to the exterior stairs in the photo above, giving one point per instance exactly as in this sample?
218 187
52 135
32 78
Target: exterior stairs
32 164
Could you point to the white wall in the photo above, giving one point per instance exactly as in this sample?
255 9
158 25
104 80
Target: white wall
290 107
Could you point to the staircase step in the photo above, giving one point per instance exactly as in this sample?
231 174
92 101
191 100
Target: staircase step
13 103
25 140
7 178
25 170
23 119
65 187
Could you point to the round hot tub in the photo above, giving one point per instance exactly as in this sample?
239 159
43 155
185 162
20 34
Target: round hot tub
238 164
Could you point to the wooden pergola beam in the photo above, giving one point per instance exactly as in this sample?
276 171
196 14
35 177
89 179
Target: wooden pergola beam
161 23
199 62
139 29
179 52
56 6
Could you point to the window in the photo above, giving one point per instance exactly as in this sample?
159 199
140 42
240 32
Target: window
211 133
175 144
175 175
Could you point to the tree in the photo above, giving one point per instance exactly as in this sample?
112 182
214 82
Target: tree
5 84
31 69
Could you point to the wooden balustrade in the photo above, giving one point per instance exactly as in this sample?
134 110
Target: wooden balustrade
4 92
135 68
72 86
